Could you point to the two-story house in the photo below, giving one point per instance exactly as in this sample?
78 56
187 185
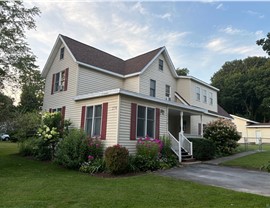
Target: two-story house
123 100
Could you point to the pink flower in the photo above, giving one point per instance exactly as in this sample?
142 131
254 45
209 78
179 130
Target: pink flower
90 157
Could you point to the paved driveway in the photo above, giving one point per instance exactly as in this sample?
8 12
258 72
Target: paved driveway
231 178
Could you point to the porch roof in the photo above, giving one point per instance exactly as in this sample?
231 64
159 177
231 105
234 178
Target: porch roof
140 96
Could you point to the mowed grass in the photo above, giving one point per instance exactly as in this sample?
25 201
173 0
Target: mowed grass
28 183
254 161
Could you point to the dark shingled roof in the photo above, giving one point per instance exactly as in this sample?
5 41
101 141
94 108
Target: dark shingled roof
222 112
95 57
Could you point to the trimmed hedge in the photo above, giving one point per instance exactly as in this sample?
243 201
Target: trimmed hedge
203 149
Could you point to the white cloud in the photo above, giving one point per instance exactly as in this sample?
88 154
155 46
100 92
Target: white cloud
254 13
231 31
219 6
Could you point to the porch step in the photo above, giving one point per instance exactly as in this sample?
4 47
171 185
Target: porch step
186 157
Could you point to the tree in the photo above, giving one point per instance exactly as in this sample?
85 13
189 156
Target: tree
244 87
265 43
16 56
182 72
32 91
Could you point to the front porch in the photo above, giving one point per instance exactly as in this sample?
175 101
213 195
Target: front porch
181 126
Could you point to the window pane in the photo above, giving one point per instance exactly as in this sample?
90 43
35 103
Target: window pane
141 112
97 126
98 111
89 112
56 82
140 127
150 122
160 64
89 126
168 91
152 88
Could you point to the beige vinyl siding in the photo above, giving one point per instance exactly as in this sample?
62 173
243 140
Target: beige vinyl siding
91 80
132 84
241 127
196 119
63 98
124 122
162 79
183 88
112 119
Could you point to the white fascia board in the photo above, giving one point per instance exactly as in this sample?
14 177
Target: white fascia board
244 119
100 69
53 54
199 81
136 95
259 126
179 98
150 62
171 65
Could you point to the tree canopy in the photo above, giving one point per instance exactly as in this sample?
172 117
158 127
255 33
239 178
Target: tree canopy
265 43
244 87
182 71
16 56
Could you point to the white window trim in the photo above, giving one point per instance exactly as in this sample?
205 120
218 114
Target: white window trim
211 100
145 123
93 118
198 93
204 95
162 65
61 53
170 92
155 89
61 82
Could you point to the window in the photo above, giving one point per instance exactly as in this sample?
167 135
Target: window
59 82
57 110
145 122
204 96
168 92
160 64
210 98
198 94
62 52
93 120
152 88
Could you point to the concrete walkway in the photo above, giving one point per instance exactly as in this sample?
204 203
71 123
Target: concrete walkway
237 179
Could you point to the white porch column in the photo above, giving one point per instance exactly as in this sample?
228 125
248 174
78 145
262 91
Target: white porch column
201 117
181 122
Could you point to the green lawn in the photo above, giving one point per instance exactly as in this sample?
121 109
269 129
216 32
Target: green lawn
254 161
27 183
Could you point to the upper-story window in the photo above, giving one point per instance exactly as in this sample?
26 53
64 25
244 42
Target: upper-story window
152 88
93 120
204 96
59 81
210 98
160 64
62 53
145 122
168 92
198 93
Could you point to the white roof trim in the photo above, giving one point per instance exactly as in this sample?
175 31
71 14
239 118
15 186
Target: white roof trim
137 95
199 81
258 126
217 115
181 99
53 54
255 122
100 69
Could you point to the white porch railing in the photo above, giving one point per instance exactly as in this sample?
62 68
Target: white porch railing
177 145
186 144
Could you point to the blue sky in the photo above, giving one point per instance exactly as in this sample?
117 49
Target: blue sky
200 36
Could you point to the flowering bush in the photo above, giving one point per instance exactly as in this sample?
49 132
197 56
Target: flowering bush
116 159
224 135
95 147
149 148
52 120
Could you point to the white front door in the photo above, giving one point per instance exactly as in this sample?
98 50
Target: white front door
258 137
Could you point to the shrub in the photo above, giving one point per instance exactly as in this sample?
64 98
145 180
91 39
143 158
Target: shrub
224 135
93 166
42 151
72 151
144 164
149 148
116 159
95 147
52 120
27 147
203 149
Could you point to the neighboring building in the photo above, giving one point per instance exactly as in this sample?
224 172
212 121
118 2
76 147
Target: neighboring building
120 101
252 131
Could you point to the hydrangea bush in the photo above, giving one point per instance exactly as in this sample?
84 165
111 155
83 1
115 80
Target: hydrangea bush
224 135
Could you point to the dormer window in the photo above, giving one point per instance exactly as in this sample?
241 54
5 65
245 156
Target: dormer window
160 64
62 53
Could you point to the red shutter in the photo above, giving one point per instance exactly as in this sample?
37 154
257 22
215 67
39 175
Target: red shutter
133 121
83 117
157 122
104 121
66 79
52 89
63 112
50 110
